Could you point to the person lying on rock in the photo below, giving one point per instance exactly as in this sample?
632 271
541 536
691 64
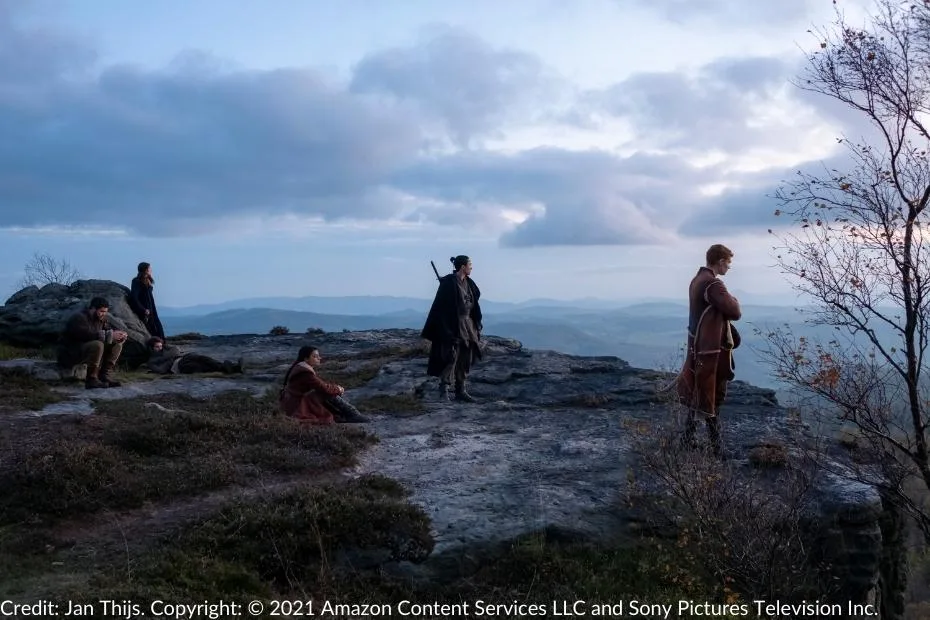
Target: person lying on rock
166 360
310 399
88 339
453 326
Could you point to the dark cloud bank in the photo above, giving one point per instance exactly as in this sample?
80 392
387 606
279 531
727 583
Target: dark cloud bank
153 151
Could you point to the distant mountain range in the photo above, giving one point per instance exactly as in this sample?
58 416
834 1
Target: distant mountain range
381 304
648 333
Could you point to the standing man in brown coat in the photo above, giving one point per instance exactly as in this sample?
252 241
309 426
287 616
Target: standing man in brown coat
88 339
708 367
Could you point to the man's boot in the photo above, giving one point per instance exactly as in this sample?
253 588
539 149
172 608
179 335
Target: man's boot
91 382
445 391
345 412
106 376
462 394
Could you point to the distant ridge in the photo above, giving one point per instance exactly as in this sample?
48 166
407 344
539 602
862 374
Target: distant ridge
373 305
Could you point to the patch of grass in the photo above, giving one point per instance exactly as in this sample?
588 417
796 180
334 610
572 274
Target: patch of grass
400 405
130 453
394 352
555 569
349 376
186 336
292 542
768 455
12 352
21 392
588 401
329 542
289 537
136 375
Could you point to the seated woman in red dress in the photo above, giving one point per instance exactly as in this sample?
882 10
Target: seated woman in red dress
307 397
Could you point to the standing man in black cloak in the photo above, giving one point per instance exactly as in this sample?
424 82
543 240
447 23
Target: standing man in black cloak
453 326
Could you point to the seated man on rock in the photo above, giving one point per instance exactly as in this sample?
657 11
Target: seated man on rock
88 339
166 360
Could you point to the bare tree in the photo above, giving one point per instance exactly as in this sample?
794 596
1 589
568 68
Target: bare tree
858 249
44 269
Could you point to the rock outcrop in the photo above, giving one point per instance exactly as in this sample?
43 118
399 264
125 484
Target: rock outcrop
35 317
550 445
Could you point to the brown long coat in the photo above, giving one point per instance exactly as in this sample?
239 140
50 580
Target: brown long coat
702 383
304 394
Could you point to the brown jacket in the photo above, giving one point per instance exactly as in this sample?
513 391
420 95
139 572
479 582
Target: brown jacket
711 339
304 394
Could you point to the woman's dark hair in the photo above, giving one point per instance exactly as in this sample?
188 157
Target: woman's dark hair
304 352
459 261
142 276
150 343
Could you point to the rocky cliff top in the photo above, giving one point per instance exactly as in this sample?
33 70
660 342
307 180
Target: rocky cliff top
550 444
554 442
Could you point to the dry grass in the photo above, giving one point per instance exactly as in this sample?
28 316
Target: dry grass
187 336
587 401
129 453
395 352
11 352
398 405
349 375
20 392
768 455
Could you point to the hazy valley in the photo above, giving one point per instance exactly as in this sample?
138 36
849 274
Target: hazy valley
646 334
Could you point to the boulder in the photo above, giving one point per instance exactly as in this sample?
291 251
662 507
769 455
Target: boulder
35 317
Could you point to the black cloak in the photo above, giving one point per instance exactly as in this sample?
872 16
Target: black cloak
141 299
442 323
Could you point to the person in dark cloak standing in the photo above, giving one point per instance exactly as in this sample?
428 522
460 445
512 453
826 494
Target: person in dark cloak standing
453 327
142 300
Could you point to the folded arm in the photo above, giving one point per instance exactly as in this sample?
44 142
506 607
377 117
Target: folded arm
717 296
324 386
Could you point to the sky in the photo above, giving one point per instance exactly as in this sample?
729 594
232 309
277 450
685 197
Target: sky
310 147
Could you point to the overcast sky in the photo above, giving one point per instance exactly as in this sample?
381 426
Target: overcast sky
312 147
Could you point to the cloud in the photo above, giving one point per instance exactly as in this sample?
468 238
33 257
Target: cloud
730 12
730 104
142 149
751 206
180 150
200 145
586 198
461 81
